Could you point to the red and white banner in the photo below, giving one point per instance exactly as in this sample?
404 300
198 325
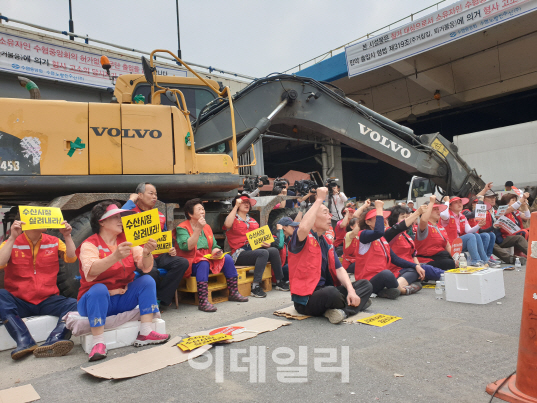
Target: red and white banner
30 57
446 25
508 225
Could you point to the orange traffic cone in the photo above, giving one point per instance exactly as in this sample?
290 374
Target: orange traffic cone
522 387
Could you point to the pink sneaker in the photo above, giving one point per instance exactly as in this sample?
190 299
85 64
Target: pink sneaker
98 352
151 338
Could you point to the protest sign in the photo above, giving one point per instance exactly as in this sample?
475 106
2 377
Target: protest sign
501 211
191 343
480 211
164 243
41 217
379 320
258 236
518 192
508 225
469 270
456 247
141 227
211 257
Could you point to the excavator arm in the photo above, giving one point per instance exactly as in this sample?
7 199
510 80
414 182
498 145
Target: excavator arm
304 102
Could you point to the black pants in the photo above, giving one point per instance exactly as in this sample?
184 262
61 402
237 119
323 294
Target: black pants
442 260
384 279
167 285
330 297
259 259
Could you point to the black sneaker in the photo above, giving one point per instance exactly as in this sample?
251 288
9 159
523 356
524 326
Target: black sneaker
390 293
282 286
258 292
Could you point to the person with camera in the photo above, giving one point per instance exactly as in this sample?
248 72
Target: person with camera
283 183
237 224
319 284
336 201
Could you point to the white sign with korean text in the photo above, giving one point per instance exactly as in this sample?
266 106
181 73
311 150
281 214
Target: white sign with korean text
480 211
501 211
446 25
30 57
508 225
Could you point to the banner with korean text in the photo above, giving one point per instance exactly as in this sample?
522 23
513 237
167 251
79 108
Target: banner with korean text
68 62
448 24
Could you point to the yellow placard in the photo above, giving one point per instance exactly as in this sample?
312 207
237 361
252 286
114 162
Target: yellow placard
379 320
141 227
429 286
438 146
469 269
210 257
258 236
41 217
164 243
194 342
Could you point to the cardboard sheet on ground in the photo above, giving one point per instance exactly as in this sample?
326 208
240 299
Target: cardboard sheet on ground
145 361
290 313
258 236
164 243
41 217
20 394
210 257
379 320
139 228
252 328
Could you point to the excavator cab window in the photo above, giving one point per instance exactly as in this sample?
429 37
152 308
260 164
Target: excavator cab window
422 186
196 97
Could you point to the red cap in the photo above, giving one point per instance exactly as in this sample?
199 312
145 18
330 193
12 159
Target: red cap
351 211
464 200
441 207
373 213
251 201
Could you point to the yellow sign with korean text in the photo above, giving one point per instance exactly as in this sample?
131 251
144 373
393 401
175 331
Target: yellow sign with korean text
141 227
258 236
194 342
379 320
164 243
41 217
469 270
211 257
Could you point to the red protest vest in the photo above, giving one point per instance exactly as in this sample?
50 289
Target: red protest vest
340 234
196 255
376 259
330 236
451 227
305 267
350 253
31 282
236 235
116 276
404 247
436 241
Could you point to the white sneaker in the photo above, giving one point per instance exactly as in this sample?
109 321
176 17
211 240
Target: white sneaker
335 315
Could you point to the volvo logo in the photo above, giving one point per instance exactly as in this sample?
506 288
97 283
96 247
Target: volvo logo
127 133
384 141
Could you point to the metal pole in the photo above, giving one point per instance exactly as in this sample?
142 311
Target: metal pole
178 34
71 24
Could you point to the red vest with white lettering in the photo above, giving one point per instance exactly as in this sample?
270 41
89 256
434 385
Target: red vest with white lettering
404 247
116 276
451 226
435 242
330 236
350 253
340 234
376 259
196 255
31 282
236 235
305 267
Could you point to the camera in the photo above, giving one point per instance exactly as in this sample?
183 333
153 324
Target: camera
280 182
303 187
331 184
251 183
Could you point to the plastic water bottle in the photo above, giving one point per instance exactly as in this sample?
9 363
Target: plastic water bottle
463 265
443 283
518 265
438 290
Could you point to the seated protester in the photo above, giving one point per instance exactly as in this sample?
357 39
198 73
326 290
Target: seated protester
469 213
518 241
236 225
374 256
319 285
284 229
107 285
457 226
515 215
145 199
195 240
30 261
432 239
341 226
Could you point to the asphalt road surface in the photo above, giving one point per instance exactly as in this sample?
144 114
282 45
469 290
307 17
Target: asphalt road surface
441 352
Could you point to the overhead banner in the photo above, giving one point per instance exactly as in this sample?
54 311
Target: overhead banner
446 25
30 57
